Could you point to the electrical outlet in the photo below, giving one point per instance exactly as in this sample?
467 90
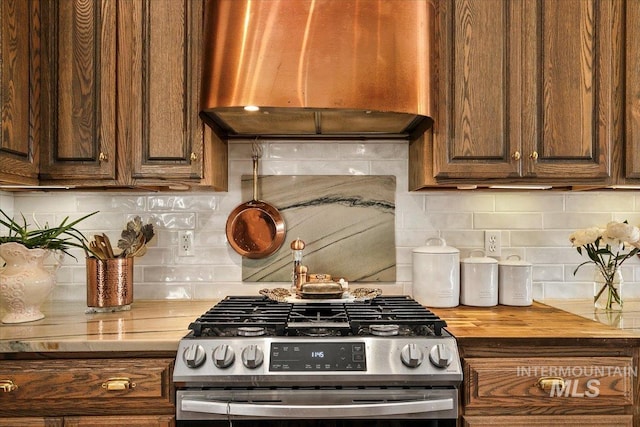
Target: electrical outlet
492 243
185 243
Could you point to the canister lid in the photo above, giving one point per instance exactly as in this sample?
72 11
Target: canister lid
482 259
436 245
514 260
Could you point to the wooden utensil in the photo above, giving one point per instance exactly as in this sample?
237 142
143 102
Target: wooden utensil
97 251
104 247
108 246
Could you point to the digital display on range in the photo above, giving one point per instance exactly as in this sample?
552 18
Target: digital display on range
305 357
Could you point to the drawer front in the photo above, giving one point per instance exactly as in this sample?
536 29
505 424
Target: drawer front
31 422
86 386
129 421
561 382
545 421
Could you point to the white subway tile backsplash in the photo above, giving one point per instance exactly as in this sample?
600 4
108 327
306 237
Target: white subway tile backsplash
460 202
106 202
529 202
495 220
598 202
572 221
544 238
534 225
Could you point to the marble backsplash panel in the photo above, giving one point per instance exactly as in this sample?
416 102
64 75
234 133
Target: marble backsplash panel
347 223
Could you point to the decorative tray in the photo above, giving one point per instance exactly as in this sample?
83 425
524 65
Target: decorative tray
284 295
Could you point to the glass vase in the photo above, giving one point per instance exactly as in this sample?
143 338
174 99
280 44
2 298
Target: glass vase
607 291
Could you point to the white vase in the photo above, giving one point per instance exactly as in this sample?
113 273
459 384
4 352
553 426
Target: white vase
25 282
608 295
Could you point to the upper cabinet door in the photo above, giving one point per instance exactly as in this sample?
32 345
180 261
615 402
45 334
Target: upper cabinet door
528 89
632 106
572 88
159 88
20 90
79 90
477 127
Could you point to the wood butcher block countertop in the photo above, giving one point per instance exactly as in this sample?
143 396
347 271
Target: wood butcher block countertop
575 322
158 326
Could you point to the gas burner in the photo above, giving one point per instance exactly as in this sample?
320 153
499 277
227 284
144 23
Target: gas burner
384 330
318 332
251 331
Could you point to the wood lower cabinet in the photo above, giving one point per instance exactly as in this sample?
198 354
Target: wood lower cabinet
549 385
546 421
91 392
96 421
31 422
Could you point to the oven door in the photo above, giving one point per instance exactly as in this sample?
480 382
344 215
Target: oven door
317 403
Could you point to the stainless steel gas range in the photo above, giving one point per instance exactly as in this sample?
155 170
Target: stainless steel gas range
251 358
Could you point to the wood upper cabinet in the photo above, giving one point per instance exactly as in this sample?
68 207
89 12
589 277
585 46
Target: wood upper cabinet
124 86
20 90
159 88
527 90
79 91
632 76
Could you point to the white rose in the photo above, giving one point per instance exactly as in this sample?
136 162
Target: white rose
585 236
617 233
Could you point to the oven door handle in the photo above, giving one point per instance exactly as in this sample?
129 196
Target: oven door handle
316 411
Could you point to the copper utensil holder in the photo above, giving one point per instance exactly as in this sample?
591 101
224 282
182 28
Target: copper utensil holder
109 282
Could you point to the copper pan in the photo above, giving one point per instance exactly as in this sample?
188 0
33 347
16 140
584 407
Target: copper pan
255 229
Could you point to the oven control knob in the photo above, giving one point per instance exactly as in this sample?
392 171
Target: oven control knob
223 356
252 356
411 355
194 355
440 356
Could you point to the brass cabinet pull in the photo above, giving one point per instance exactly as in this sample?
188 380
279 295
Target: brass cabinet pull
193 157
534 155
103 157
548 383
120 383
8 386
516 155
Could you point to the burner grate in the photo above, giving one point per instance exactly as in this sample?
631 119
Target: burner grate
234 314
400 310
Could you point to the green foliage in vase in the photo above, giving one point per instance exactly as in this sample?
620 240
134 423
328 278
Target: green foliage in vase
60 238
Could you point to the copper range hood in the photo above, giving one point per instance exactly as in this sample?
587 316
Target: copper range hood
318 68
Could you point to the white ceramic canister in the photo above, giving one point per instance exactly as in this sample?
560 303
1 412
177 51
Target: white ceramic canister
436 274
515 281
479 280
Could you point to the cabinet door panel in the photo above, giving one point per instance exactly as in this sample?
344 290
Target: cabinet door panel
88 387
19 91
517 384
129 421
549 420
633 90
31 422
80 112
476 128
166 132
577 65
